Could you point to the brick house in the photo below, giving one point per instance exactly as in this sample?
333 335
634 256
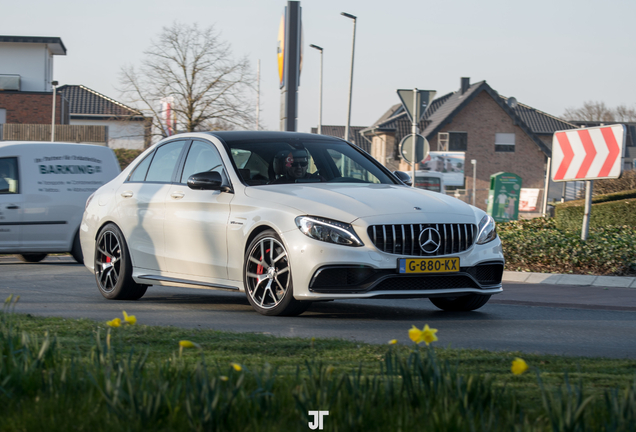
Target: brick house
26 74
499 133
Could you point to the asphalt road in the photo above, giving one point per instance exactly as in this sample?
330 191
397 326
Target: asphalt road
565 320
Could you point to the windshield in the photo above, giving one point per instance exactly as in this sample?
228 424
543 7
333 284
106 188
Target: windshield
261 162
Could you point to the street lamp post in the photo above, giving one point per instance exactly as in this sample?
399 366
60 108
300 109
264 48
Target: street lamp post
353 49
474 162
320 99
54 84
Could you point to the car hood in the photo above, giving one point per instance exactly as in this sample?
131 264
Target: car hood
347 202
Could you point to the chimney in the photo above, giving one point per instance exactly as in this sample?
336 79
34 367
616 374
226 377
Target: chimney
465 83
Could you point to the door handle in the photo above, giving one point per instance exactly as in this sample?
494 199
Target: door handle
126 194
12 207
177 195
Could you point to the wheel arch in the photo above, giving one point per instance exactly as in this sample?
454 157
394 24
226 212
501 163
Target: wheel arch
255 232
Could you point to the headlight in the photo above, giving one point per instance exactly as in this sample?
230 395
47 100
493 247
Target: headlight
487 230
328 230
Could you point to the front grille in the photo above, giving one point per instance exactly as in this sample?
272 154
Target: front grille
404 239
401 283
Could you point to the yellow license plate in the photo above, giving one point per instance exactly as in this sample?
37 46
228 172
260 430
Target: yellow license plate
428 265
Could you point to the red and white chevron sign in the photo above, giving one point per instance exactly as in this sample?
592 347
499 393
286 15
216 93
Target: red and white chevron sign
588 154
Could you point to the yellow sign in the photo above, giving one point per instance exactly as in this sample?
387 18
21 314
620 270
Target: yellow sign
281 51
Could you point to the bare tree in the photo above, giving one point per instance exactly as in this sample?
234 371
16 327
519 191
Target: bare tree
194 67
590 111
625 114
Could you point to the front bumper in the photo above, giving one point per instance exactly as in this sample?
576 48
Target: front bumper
323 271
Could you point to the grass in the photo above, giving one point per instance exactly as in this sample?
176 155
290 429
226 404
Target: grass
61 374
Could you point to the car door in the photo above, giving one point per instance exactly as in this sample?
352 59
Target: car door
11 203
141 205
196 220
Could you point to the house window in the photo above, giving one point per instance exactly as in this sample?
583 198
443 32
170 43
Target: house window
457 141
3 115
505 142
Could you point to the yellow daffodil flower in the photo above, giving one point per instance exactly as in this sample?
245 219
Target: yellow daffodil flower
428 334
223 378
519 366
16 300
392 341
415 334
115 322
8 300
130 319
237 367
188 344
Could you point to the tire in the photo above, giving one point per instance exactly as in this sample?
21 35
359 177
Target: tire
270 292
460 304
76 252
32 257
113 267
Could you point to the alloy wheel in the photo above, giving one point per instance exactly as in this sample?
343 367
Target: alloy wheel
268 273
108 261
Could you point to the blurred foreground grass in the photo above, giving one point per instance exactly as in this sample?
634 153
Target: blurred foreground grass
61 374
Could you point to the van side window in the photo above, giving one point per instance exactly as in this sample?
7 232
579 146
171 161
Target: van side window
9 175
164 162
201 157
139 174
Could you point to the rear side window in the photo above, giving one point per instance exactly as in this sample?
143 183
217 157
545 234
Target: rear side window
9 175
139 174
164 162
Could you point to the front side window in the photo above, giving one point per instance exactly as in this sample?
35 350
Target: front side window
9 175
201 157
271 161
165 161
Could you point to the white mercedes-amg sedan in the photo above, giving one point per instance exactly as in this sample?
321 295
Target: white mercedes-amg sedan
289 219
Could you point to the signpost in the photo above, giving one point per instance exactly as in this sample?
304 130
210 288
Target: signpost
588 154
422 148
413 101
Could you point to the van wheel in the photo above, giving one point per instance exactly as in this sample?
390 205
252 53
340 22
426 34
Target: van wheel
32 257
113 267
76 252
464 303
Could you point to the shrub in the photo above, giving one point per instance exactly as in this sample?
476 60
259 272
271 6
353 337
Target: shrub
538 245
569 217
126 156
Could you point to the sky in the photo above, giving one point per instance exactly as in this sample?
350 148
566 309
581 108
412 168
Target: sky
549 54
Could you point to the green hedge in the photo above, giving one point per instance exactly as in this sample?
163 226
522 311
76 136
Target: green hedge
616 196
126 156
537 245
569 217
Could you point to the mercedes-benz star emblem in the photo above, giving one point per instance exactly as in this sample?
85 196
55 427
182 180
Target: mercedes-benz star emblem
430 240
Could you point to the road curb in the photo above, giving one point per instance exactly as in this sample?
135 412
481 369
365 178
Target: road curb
569 279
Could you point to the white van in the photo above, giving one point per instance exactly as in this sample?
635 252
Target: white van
430 180
43 192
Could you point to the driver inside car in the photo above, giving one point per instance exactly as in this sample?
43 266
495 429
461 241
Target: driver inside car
292 166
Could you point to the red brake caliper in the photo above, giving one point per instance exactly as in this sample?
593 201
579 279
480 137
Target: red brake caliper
259 268
107 259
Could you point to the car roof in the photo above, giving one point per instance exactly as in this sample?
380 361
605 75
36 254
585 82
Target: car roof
230 136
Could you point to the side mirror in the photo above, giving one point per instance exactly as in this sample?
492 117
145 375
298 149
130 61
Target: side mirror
208 180
404 177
